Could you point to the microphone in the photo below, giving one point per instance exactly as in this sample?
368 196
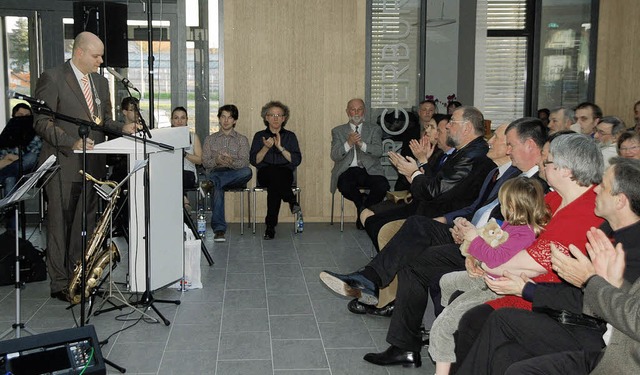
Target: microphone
122 79
28 99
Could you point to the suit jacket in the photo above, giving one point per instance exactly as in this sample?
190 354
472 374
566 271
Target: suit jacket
370 160
60 89
620 308
496 213
468 211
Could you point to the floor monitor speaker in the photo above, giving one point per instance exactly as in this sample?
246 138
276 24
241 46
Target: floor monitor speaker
69 351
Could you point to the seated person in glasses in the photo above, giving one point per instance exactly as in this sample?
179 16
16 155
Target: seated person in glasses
606 136
629 145
225 155
438 186
564 333
276 154
356 148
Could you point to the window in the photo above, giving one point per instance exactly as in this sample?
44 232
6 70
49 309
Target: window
509 82
565 49
506 59
16 34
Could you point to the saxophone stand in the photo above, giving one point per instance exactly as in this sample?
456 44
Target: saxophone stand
25 189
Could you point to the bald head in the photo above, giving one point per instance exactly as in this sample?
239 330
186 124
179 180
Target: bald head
355 111
498 146
87 52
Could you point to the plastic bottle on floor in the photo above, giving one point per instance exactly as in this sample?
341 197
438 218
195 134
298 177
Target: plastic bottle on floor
300 224
201 223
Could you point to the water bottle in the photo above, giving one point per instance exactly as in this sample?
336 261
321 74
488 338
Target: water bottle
202 223
300 224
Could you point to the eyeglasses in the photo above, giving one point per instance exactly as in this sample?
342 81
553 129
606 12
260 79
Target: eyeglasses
274 115
602 132
622 149
547 162
453 121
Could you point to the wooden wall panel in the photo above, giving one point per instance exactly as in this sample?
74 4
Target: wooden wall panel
309 54
618 67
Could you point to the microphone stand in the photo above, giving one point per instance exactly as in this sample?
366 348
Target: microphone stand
147 299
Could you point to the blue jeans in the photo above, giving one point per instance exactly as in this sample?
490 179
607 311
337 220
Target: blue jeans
225 179
10 174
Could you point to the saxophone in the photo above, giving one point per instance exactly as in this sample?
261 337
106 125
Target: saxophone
99 251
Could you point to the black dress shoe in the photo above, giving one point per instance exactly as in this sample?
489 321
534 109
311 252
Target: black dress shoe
358 307
269 233
395 356
351 285
61 295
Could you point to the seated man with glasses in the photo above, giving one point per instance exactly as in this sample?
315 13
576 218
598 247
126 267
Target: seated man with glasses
607 132
449 187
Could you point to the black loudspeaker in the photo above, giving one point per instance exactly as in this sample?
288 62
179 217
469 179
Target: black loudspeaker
69 351
108 21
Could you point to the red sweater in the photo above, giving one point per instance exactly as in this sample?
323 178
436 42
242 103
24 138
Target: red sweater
567 226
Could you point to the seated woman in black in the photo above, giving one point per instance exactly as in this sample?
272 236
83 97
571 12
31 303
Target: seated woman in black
275 154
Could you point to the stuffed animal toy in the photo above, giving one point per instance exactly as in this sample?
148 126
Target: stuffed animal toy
491 233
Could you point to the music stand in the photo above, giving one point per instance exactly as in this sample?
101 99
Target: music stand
26 188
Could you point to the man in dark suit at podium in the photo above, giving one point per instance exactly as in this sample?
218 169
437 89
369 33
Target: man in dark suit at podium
73 89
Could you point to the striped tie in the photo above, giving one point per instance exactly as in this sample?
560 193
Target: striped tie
86 90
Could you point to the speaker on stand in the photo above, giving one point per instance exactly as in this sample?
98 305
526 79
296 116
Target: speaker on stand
108 20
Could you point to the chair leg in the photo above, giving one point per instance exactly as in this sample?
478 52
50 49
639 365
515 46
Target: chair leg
248 208
296 193
333 195
241 212
341 213
255 211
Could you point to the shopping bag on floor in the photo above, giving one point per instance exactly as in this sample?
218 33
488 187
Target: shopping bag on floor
192 275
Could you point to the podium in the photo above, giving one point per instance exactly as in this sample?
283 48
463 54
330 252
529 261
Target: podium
165 206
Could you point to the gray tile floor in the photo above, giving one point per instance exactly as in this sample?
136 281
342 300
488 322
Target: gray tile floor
262 310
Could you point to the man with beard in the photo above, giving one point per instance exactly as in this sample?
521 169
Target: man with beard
356 148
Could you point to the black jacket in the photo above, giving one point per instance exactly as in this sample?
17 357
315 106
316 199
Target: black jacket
457 184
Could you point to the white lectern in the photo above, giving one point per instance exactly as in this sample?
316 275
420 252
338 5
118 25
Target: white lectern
165 206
